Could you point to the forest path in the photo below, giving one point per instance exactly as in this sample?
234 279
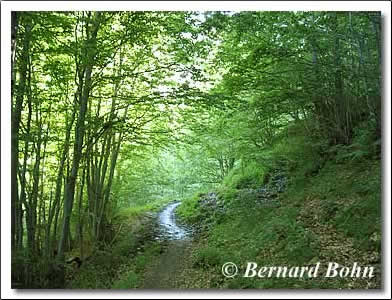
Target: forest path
164 272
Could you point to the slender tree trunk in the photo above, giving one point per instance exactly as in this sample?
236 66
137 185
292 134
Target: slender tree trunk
53 210
15 126
79 135
376 22
22 175
14 29
113 164
81 215
31 214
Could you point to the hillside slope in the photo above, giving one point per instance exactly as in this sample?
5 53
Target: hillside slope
301 204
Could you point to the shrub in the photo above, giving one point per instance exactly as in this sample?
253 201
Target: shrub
189 210
245 175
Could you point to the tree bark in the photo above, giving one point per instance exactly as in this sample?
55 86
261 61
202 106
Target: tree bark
90 47
60 174
15 126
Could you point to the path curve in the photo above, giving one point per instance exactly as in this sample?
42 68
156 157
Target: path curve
164 273
168 227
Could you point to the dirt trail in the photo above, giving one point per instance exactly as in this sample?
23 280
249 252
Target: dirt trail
164 273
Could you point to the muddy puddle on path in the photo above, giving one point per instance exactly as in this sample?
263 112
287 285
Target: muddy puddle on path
165 271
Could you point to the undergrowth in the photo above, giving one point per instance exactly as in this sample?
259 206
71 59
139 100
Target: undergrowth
330 211
120 264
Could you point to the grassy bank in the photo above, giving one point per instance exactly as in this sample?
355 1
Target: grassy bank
329 211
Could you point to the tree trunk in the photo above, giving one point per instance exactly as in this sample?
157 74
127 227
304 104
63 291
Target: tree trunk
31 212
53 210
14 29
79 134
15 126
22 173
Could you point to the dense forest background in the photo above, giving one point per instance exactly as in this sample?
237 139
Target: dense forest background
120 111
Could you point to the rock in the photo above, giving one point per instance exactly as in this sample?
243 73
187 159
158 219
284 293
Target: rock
209 200
266 194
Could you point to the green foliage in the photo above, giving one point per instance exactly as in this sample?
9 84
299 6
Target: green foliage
135 267
351 221
298 245
227 194
362 218
129 111
128 281
140 262
138 210
208 257
245 175
97 274
189 209
161 176
364 144
37 272
276 61
323 202
121 264
124 246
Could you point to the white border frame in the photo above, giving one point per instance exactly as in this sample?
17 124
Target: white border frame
7 7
